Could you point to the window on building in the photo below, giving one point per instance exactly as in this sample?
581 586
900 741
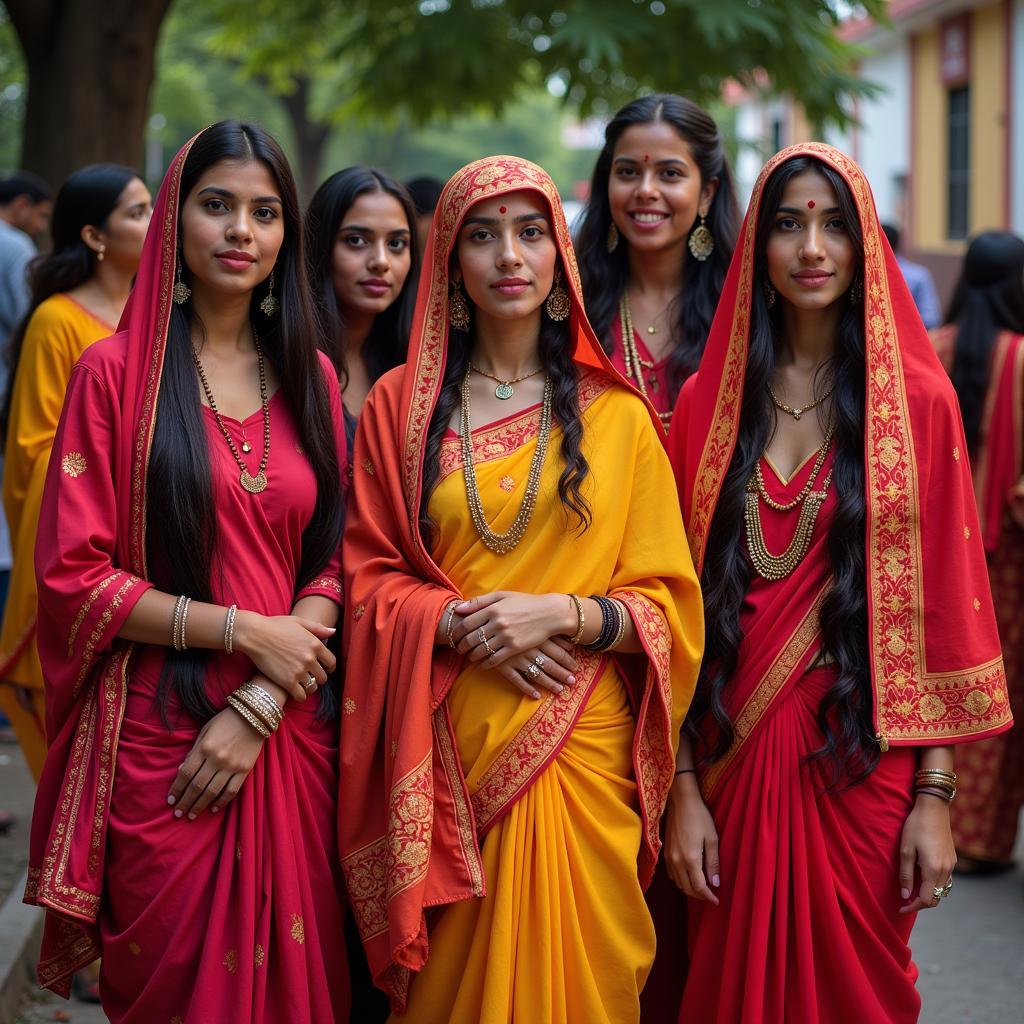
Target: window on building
776 134
958 134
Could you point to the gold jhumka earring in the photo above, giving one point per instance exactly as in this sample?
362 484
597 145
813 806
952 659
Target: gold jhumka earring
557 302
701 242
613 237
458 308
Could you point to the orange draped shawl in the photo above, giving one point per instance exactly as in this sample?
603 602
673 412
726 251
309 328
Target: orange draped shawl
408 837
936 667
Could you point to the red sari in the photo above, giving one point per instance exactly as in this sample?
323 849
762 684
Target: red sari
237 915
808 927
990 789
657 379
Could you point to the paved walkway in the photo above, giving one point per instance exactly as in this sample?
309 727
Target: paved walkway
970 950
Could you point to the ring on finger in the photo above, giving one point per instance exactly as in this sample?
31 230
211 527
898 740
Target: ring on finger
539 661
939 892
533 671
310 684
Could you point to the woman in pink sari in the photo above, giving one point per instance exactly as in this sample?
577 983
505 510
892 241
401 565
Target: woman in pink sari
188 568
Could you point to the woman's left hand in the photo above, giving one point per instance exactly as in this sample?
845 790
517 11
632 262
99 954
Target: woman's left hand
927 842
219 762
513 623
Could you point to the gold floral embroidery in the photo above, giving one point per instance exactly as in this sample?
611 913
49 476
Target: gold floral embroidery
324 583
298 932
230 960
507 484
258 956
977 605
931 707
359 611
967 533
349 706
978 702
134 948
74 464
956 454
368 466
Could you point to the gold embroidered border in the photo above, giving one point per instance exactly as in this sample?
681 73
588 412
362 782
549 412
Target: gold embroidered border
534 746
84 610
794 654
324 583
463 811
654 762
383 869
97 634
76 947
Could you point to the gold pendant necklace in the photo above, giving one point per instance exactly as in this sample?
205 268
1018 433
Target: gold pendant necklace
503 543
504 389
796 413
253 484
635 366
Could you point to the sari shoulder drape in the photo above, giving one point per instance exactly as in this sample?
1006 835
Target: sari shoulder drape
936 668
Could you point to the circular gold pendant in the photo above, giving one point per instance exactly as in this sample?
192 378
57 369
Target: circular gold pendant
253 484
246 447
503 391
652 329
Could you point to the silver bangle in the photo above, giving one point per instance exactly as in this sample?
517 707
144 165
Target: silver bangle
229 630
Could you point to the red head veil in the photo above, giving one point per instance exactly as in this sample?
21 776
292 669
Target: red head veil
935 657
86 668
408 838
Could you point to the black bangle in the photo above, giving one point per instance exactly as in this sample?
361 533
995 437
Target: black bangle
609 624
686 771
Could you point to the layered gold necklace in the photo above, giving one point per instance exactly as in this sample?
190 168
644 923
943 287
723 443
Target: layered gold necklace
635 366
503 543
778 567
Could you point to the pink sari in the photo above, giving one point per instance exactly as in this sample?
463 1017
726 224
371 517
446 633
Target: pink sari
235 916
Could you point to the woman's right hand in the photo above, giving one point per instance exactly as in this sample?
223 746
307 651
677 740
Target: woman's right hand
691 840
286 649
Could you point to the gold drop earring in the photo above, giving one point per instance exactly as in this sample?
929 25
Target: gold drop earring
557 302
270 305
612 242
181 292
769 295
458 308
701 242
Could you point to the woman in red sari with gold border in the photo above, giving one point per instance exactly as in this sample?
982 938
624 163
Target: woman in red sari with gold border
982 348
508 832
183 835
809 822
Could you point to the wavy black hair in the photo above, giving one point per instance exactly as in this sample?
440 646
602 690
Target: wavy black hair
87 198
386 344
555 353
845 712
181 523
605 275
989 298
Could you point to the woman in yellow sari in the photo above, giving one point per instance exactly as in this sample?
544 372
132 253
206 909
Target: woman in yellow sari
523 637
78 292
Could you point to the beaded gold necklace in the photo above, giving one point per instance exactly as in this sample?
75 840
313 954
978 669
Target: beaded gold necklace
635 366
503 543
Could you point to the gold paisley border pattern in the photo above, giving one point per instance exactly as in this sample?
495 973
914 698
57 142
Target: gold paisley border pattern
86 605
324 583
96 636
379 871
500 441
794 655
653 757
535 746
77 947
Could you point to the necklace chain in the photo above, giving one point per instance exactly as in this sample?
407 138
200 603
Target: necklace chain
777 567
797 412
504 389
635 366
253 484
503 543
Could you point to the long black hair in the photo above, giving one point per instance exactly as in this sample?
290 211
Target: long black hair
88 197
989 298
605 275
555 354
181 524
387 342
845 712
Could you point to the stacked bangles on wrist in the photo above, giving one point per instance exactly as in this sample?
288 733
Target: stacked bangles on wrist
613 623
178 621
935 782
257 707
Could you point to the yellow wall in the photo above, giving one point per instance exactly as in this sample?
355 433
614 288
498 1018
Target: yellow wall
988 132
988 118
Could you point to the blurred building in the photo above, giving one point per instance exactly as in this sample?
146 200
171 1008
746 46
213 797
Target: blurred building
943 146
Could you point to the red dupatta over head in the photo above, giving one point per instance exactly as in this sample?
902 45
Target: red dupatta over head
407 832
936 667
86 668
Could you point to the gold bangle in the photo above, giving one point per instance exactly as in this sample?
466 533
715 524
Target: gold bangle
451 619
176 622
242 710
260 703
229 629
935 773
932 791
184 619
580 619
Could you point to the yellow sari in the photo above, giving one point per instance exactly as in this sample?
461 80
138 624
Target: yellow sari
563 933
59 331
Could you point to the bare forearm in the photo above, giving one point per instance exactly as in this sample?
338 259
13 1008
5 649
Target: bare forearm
151 622
318 609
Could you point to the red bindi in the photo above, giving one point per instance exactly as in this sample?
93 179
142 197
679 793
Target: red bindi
647 159
502 209
810 204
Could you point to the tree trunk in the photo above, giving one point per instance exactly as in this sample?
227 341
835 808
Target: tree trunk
310 136
90 69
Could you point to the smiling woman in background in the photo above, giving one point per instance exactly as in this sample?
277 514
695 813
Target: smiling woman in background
363 267
655 241
78 292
